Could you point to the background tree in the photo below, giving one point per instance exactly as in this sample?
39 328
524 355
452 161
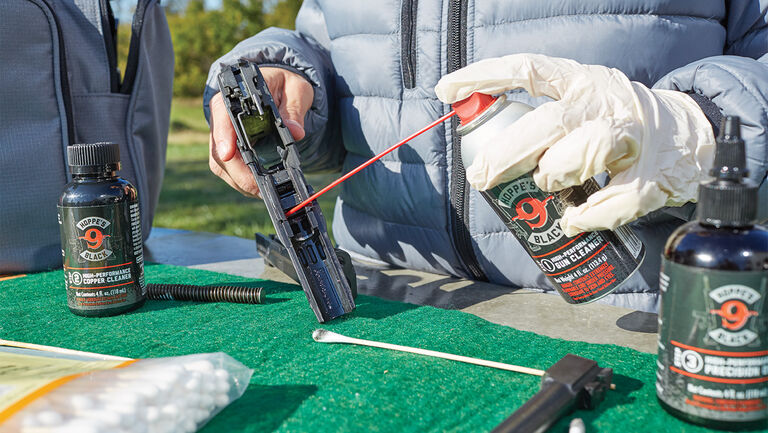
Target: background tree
283 14
202 33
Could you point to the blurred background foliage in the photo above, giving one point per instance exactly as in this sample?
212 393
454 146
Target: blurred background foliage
203 31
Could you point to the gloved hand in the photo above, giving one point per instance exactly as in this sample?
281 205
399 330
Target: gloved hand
293 96
656 145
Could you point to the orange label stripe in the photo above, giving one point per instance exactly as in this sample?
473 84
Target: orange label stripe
704 399
44 390
748 407
720 379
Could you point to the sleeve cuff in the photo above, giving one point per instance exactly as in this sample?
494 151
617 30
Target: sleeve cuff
710 110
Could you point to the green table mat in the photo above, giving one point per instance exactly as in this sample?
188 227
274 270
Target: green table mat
303 386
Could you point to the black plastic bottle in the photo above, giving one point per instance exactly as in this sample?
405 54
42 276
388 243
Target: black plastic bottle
713 340
101 240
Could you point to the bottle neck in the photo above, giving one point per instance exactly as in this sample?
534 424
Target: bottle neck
730 226
91 177
726 204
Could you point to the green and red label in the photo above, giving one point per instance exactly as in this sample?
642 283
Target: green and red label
713 343
103 257
582 268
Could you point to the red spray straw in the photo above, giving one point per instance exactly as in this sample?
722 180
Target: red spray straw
301 205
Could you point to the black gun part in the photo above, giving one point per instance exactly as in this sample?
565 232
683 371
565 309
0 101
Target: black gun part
276 255
267 148
572 383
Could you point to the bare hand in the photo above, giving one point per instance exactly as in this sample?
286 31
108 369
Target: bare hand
293 95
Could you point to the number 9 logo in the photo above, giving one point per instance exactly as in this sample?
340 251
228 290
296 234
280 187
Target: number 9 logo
537 213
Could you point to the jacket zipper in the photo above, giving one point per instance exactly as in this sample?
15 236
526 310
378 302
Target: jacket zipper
110 43
408 42
457 59
132 64
66 96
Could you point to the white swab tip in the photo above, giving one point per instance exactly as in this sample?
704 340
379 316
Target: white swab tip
326 336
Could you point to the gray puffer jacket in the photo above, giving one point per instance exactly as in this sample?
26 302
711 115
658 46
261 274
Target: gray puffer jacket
374 66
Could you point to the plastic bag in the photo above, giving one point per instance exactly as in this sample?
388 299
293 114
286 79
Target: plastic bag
160 395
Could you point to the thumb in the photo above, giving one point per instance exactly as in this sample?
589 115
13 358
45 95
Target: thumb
296 127
296 101
222 132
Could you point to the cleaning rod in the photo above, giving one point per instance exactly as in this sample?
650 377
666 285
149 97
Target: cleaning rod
367 163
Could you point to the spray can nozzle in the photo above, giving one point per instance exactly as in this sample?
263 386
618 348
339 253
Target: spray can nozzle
469 108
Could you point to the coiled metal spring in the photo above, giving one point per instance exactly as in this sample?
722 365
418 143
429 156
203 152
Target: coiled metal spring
188 292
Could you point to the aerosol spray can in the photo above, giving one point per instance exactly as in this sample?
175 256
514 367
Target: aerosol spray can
713 339
100 234
582 268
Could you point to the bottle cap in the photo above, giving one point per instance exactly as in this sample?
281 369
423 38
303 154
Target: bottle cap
730 199
469 108
93 157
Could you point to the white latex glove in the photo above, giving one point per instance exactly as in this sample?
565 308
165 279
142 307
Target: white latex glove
656 145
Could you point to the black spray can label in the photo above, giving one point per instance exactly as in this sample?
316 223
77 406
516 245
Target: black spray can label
582 268
713 343
103 257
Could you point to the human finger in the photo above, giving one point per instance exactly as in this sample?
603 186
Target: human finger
592 148
517 148
296 100
538 74
223 138
274 78
234 172
613 206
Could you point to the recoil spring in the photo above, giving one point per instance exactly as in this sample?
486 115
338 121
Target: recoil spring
188 292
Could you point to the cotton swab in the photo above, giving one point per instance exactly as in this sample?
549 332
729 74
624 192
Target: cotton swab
325 336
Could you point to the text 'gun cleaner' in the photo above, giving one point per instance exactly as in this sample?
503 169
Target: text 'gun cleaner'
582 268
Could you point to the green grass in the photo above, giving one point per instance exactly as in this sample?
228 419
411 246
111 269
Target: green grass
193 198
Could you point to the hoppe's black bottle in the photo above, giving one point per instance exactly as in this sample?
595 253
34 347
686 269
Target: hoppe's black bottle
713 337
100 234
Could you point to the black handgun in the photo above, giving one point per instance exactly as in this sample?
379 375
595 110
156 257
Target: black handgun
267 148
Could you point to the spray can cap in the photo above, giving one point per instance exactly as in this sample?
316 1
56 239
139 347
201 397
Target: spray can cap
469 108
730 155
730 199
